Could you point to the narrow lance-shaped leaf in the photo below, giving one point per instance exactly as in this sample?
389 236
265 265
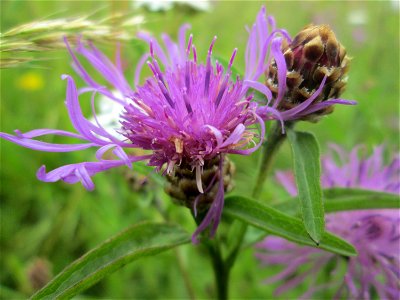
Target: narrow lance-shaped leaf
138 241
307 170
277 223
341 199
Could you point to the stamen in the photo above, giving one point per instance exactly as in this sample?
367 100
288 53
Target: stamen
189 45
208 67
211 46
232 58
151 49
222 90
178 145
187 77
198 179
187 104
157 68
153 70
194 54
170 167
164 91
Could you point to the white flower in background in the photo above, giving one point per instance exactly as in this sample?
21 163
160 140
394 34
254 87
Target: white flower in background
395 4
163 5
357 17
108 114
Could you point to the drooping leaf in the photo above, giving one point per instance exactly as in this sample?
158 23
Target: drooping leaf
141 240
307 170
277 223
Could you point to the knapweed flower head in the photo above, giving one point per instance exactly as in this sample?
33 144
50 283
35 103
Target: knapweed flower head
306 75
187 115
374 233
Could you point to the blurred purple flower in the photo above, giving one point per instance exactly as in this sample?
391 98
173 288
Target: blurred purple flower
374 233
188 112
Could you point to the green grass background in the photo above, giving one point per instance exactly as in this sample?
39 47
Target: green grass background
59 222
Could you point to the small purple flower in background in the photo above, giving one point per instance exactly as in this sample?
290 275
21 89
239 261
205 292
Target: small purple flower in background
187 115
374 233
358 20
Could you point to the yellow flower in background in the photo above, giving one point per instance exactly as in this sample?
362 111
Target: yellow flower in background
30 81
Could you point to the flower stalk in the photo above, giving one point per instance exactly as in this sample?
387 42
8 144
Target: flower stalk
271 147
220 266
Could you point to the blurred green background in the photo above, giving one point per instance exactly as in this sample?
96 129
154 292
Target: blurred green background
44 227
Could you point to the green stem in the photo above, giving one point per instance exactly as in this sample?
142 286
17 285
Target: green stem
185 274
181 265
271 147
222 267
221 270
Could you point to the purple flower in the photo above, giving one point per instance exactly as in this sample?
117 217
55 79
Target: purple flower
187 113
374 233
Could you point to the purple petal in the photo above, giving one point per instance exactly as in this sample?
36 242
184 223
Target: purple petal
213 216
156 47
235 136
182 38
293 113
262 136
259 87
43 146
40 132
321 105
82 172
281 65
105 67
217 134
139 68
82 125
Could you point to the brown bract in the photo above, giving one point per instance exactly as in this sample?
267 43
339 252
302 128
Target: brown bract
183 189
313 54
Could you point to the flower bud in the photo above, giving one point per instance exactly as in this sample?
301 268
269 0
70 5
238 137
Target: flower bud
313 54
182 186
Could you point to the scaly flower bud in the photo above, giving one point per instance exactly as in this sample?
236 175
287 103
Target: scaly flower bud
316 65
183 186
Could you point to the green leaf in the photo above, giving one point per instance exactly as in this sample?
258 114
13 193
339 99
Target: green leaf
138 241
342 199
280 224
307 172
339 199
